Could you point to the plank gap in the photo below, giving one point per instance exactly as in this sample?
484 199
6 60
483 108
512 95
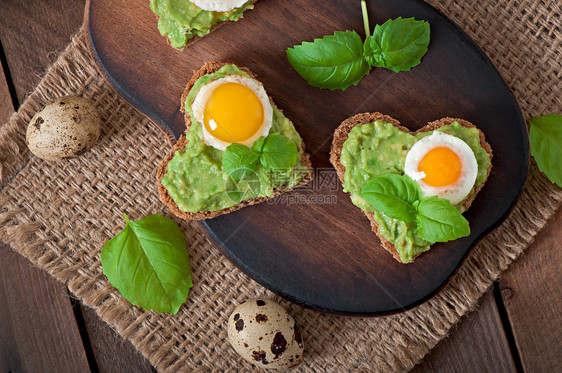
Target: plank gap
113 352
90 356
530 292
8 77
507 328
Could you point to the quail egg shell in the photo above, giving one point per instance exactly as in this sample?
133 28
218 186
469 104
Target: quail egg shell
232 109
264 334
64 128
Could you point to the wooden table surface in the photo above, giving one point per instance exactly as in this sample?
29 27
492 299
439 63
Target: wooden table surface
43 328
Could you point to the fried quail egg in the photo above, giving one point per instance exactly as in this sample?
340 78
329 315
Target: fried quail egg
219 5
233 109
443 165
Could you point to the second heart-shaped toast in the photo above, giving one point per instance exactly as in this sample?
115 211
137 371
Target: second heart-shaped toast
379 146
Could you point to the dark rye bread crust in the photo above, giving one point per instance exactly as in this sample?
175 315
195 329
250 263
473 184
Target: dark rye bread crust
196 38
209 68
342 132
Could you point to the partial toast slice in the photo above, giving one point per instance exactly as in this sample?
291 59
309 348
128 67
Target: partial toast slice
342 132
208 68
197 38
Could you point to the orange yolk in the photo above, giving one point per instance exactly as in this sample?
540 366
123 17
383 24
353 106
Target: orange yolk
233 113
441 166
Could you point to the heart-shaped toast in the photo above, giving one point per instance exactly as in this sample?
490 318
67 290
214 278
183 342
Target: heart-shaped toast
193 171
368 145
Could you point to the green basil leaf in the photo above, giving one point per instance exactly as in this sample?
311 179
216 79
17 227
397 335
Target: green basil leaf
439 221
149 264
238 160
258 145
545 138
393 195
397 44
333 62
278 152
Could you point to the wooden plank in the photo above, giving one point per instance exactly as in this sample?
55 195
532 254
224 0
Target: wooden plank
30 31
531 294
38 331
477 344
112 352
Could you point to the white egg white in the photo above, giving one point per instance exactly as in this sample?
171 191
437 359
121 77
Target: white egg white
205 92
219 5
456 192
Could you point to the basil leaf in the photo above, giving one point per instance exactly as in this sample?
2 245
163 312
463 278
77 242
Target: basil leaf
333 62
258 145
439 221
545 138
278 152
149 264
397 44
238 160
393 195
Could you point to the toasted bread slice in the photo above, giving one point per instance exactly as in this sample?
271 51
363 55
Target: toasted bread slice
342 132
209 68
196 38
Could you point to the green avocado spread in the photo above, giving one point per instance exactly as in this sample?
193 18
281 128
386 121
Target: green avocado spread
379 148
196 179
181 20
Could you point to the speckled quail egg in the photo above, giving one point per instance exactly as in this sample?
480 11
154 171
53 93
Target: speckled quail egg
264 334
65 128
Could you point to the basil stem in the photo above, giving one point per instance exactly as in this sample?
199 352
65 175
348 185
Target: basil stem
365 18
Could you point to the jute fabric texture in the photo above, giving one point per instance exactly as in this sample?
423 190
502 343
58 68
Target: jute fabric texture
59 215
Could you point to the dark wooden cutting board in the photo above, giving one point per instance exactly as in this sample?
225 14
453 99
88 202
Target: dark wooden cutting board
313 246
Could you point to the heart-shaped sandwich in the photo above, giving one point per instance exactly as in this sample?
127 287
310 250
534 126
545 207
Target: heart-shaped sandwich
183 22
238 149
413 186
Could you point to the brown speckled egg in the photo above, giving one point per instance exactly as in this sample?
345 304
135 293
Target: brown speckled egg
65 128
264 334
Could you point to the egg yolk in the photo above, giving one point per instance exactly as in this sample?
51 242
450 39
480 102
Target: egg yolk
441 166
233 113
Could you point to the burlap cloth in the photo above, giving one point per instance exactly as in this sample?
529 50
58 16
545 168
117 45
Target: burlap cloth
60 214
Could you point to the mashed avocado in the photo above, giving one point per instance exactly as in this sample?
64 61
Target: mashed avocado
378 148
181 20
196 179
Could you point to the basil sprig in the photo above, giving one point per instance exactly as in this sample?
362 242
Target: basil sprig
341 60
274 151
149 264
545 139
400 197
